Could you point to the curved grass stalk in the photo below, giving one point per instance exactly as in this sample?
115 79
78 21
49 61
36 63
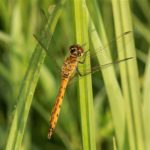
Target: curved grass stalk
129 77
98 21
130 129
28 87
113 90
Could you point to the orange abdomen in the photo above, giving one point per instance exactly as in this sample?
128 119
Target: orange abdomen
57 106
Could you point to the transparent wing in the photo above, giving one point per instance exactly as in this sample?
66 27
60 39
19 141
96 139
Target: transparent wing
97 68
44 38
110 44
48 35
46 46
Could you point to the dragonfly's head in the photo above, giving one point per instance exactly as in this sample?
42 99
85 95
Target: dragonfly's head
76 50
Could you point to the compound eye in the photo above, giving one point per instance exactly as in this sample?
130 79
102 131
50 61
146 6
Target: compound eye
72 50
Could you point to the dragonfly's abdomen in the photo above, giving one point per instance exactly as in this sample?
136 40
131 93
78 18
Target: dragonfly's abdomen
67 71
57 106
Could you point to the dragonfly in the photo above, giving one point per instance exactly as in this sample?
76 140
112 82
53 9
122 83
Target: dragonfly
69 67
68 70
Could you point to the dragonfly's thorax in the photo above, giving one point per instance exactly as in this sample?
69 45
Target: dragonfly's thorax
71 61
69 67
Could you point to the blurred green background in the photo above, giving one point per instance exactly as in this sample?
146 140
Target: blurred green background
19 20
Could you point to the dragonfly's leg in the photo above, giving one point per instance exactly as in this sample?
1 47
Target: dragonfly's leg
98 68
83 61
80 74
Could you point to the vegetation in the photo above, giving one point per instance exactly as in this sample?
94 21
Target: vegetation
106 110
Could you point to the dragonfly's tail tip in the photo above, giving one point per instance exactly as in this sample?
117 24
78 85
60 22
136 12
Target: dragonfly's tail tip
49 136
50 133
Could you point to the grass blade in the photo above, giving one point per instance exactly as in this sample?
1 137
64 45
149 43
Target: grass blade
130 128
146 103
113 90
129 77
27 89
85 84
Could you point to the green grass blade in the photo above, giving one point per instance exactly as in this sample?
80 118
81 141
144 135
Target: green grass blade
130 127
28 87
129 77
142 29
113 90
97 19
24 100
146 103
85 84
